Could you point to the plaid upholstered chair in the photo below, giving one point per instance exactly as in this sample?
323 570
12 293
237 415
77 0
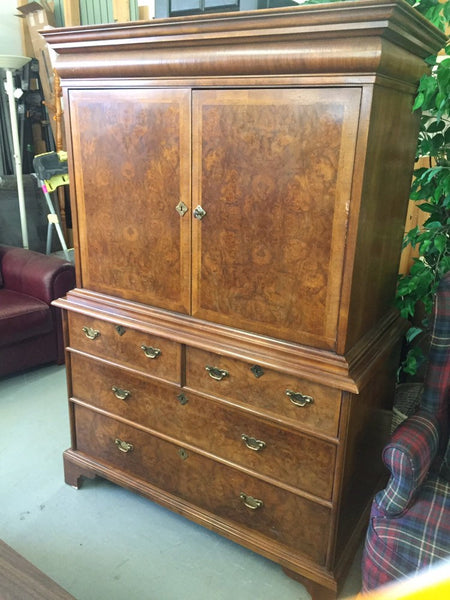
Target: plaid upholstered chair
409 528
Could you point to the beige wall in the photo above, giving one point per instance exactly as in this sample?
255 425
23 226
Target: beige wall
10 39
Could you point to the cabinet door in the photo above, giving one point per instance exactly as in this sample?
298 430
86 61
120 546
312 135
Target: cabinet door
131 151
272 171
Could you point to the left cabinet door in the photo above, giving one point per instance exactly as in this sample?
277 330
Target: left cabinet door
132 154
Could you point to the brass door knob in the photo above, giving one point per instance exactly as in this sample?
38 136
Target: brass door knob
199 212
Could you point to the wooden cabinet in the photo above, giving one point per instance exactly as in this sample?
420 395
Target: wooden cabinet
239 186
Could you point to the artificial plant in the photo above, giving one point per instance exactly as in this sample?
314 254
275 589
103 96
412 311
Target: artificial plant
431 190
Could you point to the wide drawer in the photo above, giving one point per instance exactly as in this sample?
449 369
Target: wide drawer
224 491
287 456
154 355
306 404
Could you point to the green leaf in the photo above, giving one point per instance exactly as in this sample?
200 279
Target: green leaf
440 242
412 333
413 360
419 100
435 126
429 208
440 100
430 188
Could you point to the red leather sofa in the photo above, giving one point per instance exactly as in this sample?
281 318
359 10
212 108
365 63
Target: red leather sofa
30 328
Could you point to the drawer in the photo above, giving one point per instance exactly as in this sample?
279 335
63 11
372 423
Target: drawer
150 354
287 456
265 390
291 520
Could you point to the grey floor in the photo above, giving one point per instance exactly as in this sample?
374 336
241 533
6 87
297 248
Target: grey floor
103 542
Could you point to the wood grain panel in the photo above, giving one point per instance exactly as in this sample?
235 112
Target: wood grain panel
265 394
128 181
125 348
291 458
206 483
272 170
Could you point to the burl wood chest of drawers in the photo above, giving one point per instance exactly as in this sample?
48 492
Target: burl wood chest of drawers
239 186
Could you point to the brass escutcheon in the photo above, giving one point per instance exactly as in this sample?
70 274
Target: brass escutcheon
182 453
250 502
91 333
299 399
217 374
151 352
182 399
123 446
257 371
120 330
181 208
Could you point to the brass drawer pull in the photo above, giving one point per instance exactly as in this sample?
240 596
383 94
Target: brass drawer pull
151 352
120 394
123 446
252 443
299 399
250 502
217 374
91 333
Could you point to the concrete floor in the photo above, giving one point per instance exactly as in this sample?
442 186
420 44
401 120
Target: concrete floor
103 542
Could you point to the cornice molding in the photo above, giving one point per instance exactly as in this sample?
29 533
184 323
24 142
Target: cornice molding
342 37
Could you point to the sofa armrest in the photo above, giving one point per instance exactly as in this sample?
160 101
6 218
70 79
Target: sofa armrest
39 275
408 456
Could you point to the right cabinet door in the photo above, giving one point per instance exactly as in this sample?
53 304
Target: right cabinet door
272 173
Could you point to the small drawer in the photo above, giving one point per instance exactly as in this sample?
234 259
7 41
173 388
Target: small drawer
231 495
147 353
290 457
305 404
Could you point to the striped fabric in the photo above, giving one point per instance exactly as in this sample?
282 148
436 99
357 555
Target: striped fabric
409 527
